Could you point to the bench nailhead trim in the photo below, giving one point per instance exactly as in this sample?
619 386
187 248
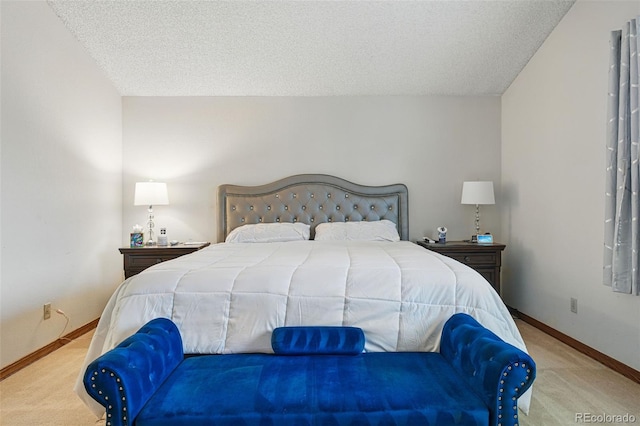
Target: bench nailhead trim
516 389
121 389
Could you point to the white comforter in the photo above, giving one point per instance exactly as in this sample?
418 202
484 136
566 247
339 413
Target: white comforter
227 298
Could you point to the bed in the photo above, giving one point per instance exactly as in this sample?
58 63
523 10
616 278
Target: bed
307 250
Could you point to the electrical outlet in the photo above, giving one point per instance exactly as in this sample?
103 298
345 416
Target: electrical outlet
47 311
574 305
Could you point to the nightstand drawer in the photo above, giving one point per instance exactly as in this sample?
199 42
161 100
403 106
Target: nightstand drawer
476 259
489 274
146 261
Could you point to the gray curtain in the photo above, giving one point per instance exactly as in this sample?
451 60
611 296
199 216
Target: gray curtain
622 209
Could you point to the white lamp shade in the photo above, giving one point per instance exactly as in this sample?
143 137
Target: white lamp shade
151 194
480 192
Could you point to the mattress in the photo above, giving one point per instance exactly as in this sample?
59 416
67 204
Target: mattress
228 298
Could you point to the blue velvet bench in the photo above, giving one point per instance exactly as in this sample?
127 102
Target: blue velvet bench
317 376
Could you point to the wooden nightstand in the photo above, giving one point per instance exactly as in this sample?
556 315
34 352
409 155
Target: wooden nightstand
138 259
484 258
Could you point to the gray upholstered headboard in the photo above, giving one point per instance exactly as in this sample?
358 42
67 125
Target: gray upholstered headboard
311 199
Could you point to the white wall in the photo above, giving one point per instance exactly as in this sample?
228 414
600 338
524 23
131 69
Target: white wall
61 171
553 160
432 144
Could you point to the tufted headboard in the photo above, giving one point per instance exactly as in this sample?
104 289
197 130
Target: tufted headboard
311 199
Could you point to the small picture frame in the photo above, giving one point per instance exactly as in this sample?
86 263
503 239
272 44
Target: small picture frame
485 239
137 239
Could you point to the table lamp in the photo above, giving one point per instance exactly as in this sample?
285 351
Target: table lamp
150 194
477 192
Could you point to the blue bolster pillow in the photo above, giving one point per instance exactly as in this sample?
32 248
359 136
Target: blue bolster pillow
317 340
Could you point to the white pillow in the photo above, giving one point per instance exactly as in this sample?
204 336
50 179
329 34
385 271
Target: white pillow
269 233
378 230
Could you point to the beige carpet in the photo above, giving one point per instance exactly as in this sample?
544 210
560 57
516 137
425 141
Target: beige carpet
42 393
568 383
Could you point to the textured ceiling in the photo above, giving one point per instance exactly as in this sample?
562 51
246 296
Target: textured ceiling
311 48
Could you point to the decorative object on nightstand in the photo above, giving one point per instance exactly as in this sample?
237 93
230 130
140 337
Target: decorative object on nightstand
442 234
138 259
136 236
150 194
478 192
162 238
484 258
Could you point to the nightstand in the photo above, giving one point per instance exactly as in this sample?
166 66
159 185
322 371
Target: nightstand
137 259
484 258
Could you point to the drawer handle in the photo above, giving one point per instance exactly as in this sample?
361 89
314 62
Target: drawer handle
467 258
